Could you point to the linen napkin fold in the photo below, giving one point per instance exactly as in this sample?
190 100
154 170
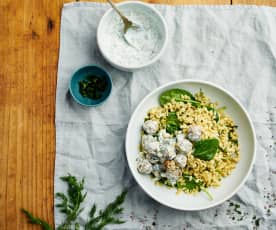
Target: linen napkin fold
232 46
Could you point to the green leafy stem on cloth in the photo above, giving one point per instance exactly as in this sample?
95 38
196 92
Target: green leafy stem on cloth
70 205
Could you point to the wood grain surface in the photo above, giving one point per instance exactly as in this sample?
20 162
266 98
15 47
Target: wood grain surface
255 2
29 45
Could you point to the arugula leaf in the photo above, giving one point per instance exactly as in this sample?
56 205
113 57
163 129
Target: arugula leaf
206 149
175 94
173 123
37 221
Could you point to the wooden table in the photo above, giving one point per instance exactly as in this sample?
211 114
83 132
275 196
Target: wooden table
29 45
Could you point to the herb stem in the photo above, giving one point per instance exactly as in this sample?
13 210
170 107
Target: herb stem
207 193
70 205
37 221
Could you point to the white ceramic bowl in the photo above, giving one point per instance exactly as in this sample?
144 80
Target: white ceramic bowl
230 185
146 8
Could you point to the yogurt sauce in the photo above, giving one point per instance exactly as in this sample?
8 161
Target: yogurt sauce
144 45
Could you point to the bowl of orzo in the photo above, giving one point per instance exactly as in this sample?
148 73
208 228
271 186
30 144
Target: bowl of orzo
190 145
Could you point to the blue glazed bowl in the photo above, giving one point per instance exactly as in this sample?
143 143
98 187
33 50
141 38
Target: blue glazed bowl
82 74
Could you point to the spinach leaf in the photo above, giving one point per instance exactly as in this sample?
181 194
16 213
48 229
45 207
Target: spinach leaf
206 149
193 102
175 94
173 123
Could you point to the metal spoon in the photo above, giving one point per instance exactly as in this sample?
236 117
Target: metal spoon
127 23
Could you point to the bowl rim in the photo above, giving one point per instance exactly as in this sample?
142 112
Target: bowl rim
108 77
159 54
233 98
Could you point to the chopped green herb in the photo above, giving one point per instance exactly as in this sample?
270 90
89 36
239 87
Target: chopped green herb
222 149
191 183
92 87
236 209
235 141
268 212
235 213
257 222
163 180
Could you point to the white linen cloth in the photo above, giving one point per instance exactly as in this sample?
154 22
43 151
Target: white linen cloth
232 46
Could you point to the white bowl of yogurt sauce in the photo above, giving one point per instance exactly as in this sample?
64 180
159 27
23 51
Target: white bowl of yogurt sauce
147 45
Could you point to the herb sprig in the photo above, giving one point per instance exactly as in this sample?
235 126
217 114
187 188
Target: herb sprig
192 184
37 221
106 216
70 205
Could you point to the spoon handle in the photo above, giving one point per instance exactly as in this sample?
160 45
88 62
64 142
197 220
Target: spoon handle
117 10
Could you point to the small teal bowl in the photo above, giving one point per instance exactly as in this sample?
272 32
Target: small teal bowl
82 74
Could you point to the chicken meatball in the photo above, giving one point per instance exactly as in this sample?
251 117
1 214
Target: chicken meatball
164 137
150 126
169 165
168 151
144 166
183 145
150 144
181 160
194 133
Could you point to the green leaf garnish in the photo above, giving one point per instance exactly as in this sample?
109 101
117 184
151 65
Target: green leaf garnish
206 149
192 184
177 95
173 123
